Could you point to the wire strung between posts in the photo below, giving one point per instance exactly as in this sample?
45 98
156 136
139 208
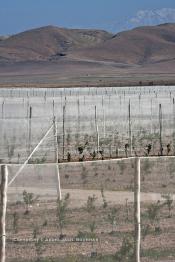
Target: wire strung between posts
23 165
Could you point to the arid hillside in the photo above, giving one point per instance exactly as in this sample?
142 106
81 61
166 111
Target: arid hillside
138 46
47 43
83 57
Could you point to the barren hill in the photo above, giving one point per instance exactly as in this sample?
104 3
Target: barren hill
89 57
46 42
138 46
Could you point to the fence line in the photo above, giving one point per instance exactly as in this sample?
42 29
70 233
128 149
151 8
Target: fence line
137 191
92 161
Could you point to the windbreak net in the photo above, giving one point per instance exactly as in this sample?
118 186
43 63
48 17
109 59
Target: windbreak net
157 209
94 218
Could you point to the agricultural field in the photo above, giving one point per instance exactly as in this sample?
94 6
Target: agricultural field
113 121
91 129
98 214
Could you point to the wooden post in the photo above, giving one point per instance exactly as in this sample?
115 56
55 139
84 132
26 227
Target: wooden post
30 129
55 132
27 116
130 131
104 119
117 152
127 211
151 120
160 126
53 108
97 131
30 113
2 109
4 184
45 93
78 126
64 109
174 126
137 211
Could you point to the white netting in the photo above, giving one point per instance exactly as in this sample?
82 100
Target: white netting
107 184
99 194
20 133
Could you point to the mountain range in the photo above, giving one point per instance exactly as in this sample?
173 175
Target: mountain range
79 52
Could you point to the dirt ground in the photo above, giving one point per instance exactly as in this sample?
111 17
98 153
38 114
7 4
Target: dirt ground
81 223
81 181
79 196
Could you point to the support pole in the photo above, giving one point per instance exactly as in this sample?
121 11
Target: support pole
4 185
137 211
97 131
53 108
151 118
2 109
59 194
160 127
104 119
56 159
173 126
130 129
78 105
30 129
64 110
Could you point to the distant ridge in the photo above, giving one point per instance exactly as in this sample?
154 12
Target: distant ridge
86 57
45 42
149 44
142 45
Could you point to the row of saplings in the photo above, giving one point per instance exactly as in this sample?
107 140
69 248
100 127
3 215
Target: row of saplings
100 154
150 224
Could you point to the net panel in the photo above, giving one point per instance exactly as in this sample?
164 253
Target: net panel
98 200
157 209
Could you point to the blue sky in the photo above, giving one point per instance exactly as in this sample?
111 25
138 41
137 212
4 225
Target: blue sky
20 15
